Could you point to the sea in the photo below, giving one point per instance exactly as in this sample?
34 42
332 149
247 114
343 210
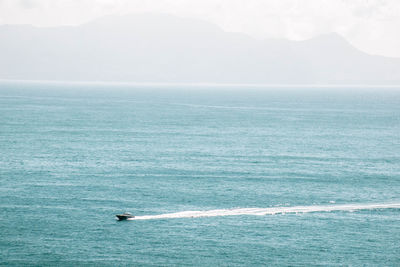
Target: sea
214 175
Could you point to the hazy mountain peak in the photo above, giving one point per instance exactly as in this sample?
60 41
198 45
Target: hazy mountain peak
331 40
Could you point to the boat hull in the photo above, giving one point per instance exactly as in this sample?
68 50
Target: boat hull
123 217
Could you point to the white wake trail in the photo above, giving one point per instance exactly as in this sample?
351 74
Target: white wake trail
267 211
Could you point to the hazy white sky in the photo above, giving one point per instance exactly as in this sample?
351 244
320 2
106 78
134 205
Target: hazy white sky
371 25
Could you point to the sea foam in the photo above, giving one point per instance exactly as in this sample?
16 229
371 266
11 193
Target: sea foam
267 211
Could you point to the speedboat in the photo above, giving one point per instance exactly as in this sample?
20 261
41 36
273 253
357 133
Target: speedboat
124 216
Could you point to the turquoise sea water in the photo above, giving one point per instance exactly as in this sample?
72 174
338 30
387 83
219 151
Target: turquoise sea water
74 155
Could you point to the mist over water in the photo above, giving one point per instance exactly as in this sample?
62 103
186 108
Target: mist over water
74 155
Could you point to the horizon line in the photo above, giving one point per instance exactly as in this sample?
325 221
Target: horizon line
200 84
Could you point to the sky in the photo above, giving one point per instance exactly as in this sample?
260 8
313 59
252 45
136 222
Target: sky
372 26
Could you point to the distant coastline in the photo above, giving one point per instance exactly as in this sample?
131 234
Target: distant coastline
167 84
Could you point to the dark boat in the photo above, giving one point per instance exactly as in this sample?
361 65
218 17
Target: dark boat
125 216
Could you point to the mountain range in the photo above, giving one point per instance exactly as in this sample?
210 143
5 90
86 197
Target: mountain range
168 49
